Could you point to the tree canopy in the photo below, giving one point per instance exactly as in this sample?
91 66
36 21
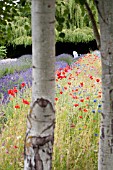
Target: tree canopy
72 22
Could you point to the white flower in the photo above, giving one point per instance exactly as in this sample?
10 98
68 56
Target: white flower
18 137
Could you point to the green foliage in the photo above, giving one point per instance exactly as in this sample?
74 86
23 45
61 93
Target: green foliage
70 15
76 26
8 11
74 14
3 52
19 31
78 35
61 35
81 2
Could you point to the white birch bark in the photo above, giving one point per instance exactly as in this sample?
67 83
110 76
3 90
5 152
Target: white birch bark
105 158
41 117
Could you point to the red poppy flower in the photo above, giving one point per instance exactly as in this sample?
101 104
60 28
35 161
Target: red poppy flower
65 88
17 106
11 92
97 80
85 110
56 99
15 147
23 84
99 96
25 102
80 109
75 97
61 92
58 73
72 125
69 83
81 84
63 73
76 104
15 90
91 77
80 117
81 100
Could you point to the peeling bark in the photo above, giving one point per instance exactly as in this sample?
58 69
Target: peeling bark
39 138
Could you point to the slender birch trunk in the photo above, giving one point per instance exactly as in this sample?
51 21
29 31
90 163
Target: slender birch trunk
105 11
41 117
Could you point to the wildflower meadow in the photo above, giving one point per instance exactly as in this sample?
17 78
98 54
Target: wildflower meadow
78 110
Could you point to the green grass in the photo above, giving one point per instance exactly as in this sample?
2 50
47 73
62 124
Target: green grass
77 127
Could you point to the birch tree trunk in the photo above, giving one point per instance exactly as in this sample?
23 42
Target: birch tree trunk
105 11
41 117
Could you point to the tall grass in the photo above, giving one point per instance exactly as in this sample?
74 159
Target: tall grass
78 110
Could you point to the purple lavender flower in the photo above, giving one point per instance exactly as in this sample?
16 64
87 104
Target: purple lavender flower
65 57
60 65
11 80
15 79
9 66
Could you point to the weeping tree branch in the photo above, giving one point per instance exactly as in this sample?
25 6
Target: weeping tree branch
94 25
